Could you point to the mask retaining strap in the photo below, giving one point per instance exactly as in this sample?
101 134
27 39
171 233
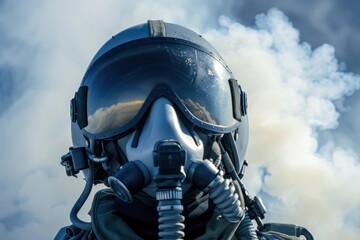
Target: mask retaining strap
216 140
138 129
120 153
255 206
194 135
227 142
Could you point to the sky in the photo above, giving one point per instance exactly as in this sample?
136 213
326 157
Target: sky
297 60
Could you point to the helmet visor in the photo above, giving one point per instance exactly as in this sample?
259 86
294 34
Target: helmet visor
121 82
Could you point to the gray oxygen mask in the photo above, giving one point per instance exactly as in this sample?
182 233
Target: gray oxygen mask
162 124
166 162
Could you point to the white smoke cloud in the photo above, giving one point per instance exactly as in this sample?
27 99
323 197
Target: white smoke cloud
292 90
291 87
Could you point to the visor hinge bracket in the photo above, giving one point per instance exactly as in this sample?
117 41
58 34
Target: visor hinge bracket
73 110
78 107
244 103
239 100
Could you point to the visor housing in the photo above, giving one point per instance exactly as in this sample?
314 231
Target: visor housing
121 86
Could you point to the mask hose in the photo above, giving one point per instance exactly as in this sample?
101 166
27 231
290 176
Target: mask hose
206 177
170 209
169 161
81 200
246 229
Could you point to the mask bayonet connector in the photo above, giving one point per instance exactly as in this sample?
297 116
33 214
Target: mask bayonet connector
74 161
66 161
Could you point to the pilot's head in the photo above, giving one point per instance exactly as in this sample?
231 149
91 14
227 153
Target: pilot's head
155 82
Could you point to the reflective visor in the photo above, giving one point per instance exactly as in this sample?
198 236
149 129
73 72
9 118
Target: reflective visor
121 82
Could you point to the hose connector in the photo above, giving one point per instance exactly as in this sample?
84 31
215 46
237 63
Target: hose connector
169 208
129 180
206 177
169 161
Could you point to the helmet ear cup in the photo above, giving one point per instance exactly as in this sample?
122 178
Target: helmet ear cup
77 136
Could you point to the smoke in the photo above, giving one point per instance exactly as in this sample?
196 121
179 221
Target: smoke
292 90
46 47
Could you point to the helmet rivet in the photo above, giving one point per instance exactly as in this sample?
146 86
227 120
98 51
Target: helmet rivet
236 135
